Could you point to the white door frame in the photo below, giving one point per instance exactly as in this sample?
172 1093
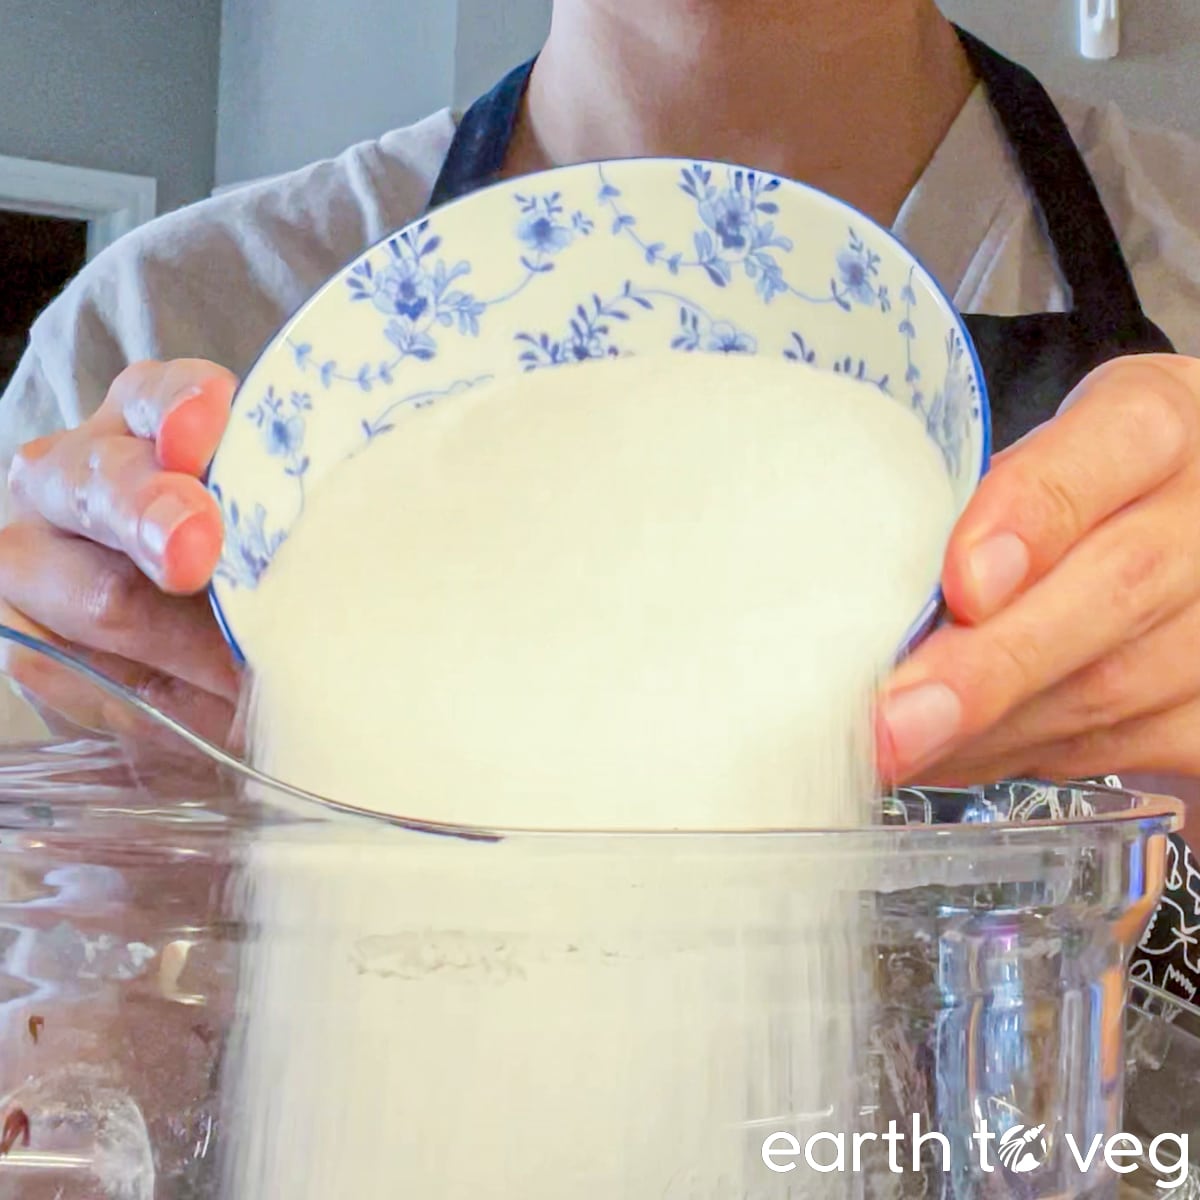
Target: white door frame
112 204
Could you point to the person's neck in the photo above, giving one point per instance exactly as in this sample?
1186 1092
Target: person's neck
850 96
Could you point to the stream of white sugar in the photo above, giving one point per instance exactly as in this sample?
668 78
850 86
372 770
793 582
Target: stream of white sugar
641 594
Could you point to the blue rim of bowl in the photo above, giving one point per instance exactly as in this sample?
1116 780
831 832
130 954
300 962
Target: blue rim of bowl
935 606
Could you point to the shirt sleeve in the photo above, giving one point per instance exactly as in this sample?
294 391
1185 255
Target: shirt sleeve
154 294
214 281
29 410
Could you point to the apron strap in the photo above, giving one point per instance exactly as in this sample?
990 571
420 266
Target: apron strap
1085 244
481 143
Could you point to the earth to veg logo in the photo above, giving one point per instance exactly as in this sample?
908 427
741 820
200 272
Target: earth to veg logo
1018 1150
1023 1150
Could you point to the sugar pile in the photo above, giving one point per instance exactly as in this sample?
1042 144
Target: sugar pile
641 594
638 593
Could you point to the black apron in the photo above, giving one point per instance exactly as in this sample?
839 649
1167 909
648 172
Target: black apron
1031 363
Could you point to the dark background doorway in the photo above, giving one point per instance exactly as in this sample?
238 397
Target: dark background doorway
38 257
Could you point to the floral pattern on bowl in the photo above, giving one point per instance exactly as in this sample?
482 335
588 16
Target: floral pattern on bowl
599 260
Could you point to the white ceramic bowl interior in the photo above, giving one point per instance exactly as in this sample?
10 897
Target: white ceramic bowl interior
628 257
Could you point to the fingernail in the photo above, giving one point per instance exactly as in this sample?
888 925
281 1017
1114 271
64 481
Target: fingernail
36 449
161 517
183 396
997 567
145 416
919 722
24 458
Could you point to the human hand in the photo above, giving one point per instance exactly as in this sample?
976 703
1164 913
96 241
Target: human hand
1074 581
114 539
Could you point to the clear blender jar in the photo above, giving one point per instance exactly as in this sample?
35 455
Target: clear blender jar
217 988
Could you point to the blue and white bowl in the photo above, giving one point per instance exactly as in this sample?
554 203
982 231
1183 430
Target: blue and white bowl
615 258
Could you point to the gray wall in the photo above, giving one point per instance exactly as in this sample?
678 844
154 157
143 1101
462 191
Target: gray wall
493 36
118 85
1156 78
298 83
303 79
